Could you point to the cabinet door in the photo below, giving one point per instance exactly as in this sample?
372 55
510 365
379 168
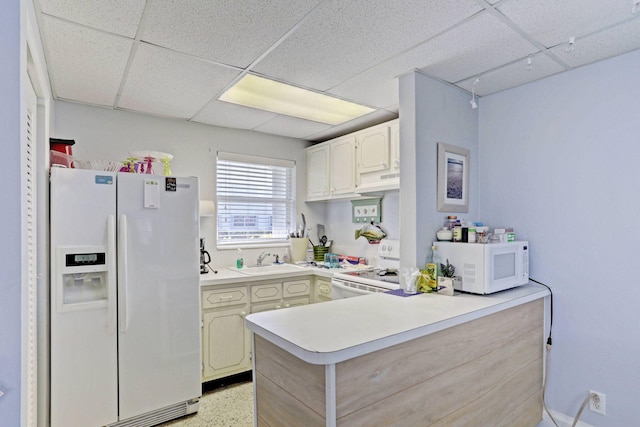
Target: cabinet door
373 150
318 172
322 290
226 343
342 166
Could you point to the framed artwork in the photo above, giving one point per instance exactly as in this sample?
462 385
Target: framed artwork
453 178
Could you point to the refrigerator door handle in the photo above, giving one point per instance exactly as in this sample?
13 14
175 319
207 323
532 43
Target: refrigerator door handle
111 274
122 273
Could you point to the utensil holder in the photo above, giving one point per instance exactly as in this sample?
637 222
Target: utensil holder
319 251
298 247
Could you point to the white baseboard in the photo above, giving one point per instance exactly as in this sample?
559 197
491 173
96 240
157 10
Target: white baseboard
562 420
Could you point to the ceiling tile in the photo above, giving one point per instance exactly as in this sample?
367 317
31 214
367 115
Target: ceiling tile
225 114
513 75
553 21
291 126
164 82
85 65
478 45
604 44
342 39
230 32
115 16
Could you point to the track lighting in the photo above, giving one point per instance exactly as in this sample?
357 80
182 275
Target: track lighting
473 103
572 42
530 63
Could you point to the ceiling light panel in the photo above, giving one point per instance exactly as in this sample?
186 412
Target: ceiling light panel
115 16
224 114
342 39
481 44
78 57
169 83
601 45
552 22
230 32
291 127
270 95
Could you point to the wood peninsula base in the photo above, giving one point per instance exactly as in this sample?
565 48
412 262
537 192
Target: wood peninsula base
484 372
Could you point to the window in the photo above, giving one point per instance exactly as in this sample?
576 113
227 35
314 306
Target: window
256 199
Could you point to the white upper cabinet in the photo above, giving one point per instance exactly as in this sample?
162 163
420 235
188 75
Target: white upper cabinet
343 166
378 153
361 162
318 172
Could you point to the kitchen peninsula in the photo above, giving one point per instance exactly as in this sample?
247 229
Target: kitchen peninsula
381 359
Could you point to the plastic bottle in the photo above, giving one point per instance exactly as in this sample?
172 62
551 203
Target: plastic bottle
286 258
433 268
239 259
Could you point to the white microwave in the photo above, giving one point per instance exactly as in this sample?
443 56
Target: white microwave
485 268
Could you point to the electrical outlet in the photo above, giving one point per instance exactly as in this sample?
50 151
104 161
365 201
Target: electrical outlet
598 403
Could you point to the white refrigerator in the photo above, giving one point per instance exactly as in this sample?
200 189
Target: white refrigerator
125 298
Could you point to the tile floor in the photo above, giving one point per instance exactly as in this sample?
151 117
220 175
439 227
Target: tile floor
228 406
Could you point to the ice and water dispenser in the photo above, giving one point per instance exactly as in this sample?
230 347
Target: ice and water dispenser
82 278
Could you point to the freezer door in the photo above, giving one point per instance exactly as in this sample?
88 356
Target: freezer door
83 298
158 292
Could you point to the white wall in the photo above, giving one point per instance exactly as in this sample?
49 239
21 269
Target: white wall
558 161
431 112
10 212
341 230
106 134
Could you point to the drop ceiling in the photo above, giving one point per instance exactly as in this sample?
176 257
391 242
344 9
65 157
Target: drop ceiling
174 58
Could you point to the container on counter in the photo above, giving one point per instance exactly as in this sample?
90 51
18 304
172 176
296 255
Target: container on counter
451 222
471 236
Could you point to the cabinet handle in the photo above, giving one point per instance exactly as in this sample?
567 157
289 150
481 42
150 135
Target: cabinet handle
384 164
243 314
226 297
288 305
278 307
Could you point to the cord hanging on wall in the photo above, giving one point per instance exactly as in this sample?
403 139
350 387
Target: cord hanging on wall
636 6
473 103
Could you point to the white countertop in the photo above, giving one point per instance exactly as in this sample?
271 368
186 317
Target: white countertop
339 330
227 276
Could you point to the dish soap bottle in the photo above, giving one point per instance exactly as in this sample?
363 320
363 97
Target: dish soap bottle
239 259
433 268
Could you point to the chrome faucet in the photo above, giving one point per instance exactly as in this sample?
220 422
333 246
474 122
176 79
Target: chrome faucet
261 257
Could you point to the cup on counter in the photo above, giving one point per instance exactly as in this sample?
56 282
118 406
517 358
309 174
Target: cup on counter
331 260
409 280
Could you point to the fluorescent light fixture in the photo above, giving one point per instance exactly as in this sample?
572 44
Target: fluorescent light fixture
265 94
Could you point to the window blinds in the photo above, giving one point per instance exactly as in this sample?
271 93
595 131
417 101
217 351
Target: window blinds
255 198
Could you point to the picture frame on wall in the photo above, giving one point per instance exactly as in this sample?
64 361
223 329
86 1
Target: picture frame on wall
453 178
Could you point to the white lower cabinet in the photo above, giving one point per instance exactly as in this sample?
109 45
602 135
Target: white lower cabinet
322 290
226 343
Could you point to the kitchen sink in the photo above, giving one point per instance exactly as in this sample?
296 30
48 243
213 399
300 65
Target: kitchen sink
267 269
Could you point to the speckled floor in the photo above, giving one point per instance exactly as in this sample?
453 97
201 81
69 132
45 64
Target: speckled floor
229 406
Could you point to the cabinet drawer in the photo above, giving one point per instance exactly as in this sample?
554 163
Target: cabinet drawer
296 288
267 292
224 297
